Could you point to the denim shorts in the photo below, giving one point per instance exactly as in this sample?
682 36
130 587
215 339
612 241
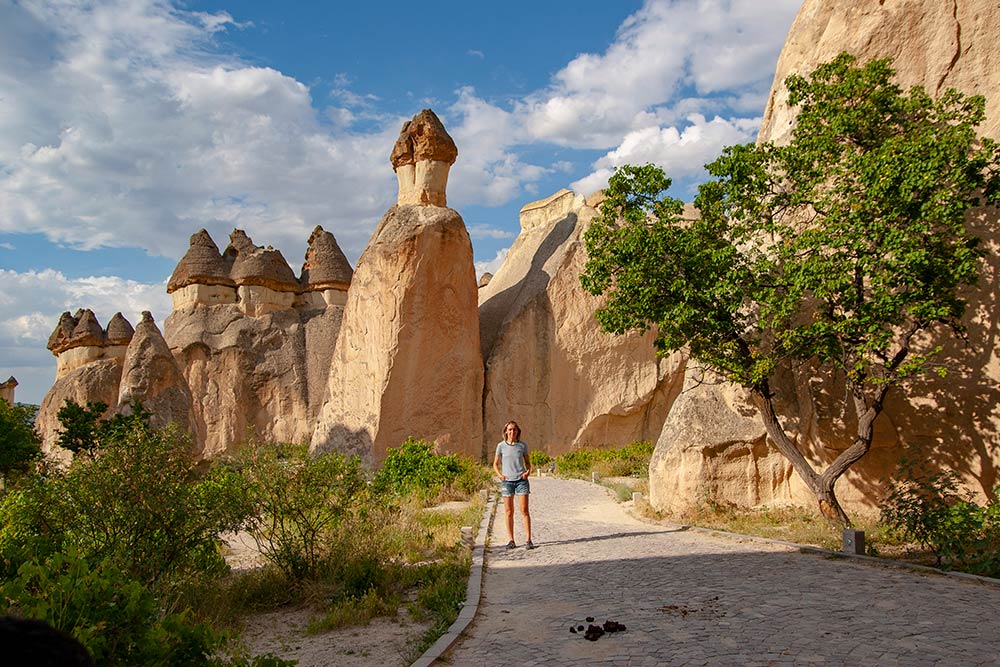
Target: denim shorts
517 487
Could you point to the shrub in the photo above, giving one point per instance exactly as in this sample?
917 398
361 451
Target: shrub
414 468
538 458
632 460
19 446
135 501
931 510
300 503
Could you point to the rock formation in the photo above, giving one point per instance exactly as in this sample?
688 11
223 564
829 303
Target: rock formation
88 367
245 351
151 376
407 358
421 158
252 341
7 390
713 443
548 365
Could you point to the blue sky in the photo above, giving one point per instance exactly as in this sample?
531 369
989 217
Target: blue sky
126 126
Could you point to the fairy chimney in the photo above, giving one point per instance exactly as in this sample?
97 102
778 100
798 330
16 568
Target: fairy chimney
421 158
264 281
202 276
326 273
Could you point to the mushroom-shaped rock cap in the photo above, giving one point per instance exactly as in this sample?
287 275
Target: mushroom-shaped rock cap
61 335
119 330
326 266
423 138
202 264
87 331
253 265
485 279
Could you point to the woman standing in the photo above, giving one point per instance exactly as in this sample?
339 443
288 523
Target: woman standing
512 466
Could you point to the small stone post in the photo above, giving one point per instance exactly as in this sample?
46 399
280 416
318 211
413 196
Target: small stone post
854 542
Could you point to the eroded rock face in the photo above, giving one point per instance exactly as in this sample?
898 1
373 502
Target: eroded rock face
7 389
151 376
714 444
91 382
262 376
407 359
548 365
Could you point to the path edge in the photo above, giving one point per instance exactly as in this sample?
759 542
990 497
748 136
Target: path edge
473 593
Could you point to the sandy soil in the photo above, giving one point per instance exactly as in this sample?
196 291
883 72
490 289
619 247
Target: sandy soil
385 642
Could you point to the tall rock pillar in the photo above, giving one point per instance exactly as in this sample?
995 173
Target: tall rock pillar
407 360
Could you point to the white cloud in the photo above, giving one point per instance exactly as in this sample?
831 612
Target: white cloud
7 246
708 45
476 53
487 232
681 153
124 130
492 265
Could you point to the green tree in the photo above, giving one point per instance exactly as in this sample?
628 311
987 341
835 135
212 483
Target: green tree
19 446
842 248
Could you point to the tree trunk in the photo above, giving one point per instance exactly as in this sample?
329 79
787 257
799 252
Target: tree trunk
822 485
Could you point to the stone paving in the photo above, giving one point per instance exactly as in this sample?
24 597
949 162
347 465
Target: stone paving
688 598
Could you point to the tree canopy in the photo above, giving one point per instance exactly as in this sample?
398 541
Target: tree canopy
839 247
19 446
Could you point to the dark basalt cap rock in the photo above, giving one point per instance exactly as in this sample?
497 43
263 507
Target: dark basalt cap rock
326 266
423 138
253 265
202 264
61 335
119 331
87 331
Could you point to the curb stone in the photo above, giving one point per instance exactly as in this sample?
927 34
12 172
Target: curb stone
473 591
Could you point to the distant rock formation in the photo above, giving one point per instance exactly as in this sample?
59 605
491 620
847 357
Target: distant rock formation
548 365
713 444
407 359
151 376
7 389
88 367
245 351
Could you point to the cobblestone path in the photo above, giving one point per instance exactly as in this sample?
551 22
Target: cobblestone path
689 598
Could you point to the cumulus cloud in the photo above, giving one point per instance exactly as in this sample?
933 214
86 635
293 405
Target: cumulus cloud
124 128
681 153
664 48
492 265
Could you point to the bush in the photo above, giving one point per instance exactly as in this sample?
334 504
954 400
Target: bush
538 458
300 503
136 501
632 460
414 468
19 446
931 510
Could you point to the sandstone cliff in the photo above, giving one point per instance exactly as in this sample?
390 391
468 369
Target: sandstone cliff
548 365
407 358
713 443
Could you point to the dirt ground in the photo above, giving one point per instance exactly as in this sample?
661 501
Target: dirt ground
385 642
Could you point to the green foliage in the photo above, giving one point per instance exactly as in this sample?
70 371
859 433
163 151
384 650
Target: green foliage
843 248
538 458
931 509
136 502
116 618
301 503
632 460
80 426
19 446
413 467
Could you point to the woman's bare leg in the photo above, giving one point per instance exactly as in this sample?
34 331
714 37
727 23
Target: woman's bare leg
523 502
508 505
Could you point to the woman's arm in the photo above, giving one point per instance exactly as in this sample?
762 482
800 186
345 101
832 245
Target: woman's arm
496 466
